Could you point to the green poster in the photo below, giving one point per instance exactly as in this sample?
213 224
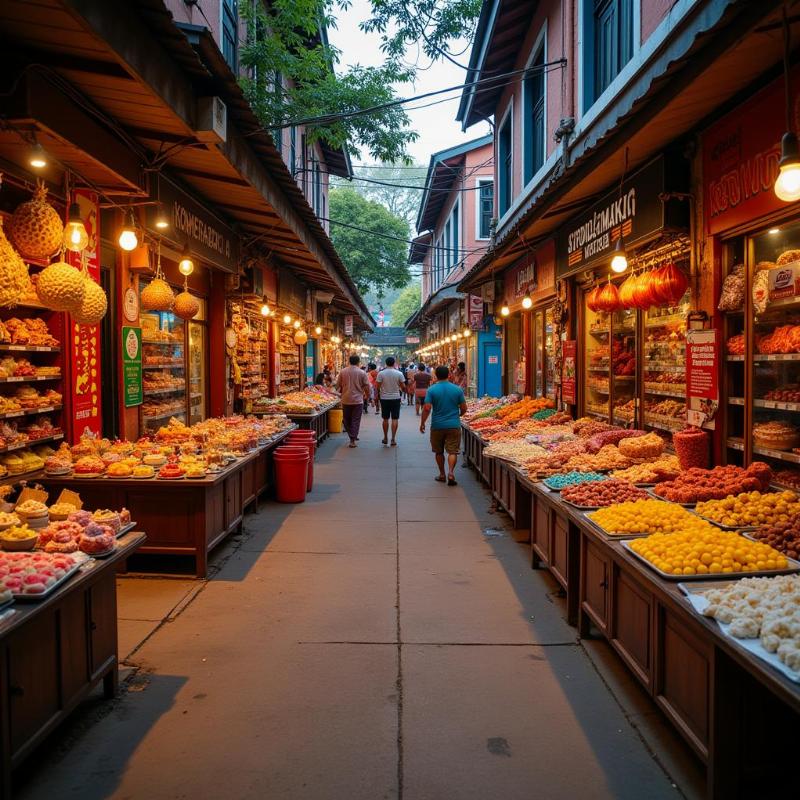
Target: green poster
132 365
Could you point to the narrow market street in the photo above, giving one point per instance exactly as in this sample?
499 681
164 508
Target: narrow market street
385 639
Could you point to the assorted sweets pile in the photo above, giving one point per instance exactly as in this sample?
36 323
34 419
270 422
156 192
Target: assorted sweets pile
306 401
29 398
175 451
11 367
696 484
776 435
664 468
21 462
597 494
751 509
511 418
638 517
34 573
28 332
761 608
565 479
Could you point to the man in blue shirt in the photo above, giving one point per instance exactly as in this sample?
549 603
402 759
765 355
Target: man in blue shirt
446 401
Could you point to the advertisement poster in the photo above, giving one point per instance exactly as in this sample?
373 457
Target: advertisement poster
569 368
132 366
475 312
702 367
84 348
348 325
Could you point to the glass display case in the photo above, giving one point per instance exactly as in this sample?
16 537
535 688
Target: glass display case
664 376
197 372
763 352
543 383
597 363
623 364
164 387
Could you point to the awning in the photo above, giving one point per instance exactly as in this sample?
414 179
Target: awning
142 79
715 55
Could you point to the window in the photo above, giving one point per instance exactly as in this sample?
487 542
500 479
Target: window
609 42
293 150
485 209
534 111
456 245
230 33
504 164
448 250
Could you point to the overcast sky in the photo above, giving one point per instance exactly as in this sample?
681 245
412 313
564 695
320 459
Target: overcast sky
436 125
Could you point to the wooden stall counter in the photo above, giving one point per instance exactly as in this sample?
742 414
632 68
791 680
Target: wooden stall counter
186 517
317 422
53 652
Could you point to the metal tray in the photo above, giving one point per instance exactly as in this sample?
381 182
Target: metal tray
726 527
578 483
611 534
28 598
752 646
581 508
794 566
126 529
664 499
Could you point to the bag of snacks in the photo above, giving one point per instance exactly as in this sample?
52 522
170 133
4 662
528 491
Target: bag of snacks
761 291
691 447
732 296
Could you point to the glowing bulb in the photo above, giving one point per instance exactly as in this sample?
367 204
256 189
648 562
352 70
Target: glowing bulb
75 236
467 333
186 265
773 231
287 319
265 308
787 184
505 311
296 324
318 330
37 159
128 240
527 302
619 262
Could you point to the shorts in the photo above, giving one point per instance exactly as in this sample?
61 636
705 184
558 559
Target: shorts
390 408
446 439
420 395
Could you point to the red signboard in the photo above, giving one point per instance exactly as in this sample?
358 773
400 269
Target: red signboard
475 312
569 369
702 365
84 347
740 158
533 275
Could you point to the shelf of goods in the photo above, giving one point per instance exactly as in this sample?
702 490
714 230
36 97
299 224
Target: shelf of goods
762 342
195 484
308 408
250 373
56 651
31 385
685 661
289 354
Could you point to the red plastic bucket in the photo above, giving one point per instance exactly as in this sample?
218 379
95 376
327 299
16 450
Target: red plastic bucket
311 445
291 474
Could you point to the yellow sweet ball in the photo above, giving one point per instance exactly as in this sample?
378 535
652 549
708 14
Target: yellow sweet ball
648 516
750 509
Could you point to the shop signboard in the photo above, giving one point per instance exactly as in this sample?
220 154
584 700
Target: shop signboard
702 365
569 369
84 340
412 339
741 152
209 238
132 366
533 275
633 210
348 325
475 312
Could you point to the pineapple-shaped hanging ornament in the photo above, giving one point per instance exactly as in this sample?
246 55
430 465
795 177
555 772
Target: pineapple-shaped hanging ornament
95 303
60 286
36 227
186 304
158 295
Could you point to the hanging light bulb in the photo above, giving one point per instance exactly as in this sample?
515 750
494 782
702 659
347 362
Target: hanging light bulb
128 240
296 324
186 265
318 330
37 158
505 311
467 333
787 184
161 219
287 319
265 308
619 262
75 236
527 302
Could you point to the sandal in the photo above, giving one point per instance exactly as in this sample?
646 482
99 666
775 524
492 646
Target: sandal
394 444
440 478
452 482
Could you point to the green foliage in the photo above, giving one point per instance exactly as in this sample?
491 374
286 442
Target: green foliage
406 304
373 261
284 39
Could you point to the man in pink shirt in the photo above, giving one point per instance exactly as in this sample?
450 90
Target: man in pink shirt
353 385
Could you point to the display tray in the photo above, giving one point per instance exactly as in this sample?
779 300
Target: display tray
664 500
559 489
580 508
125 529
6 604
794 566
27 598
611 534
698 603
726 527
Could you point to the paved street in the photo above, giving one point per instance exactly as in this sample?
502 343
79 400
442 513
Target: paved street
374 642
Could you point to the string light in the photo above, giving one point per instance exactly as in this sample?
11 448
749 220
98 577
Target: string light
128 240
186 265
527 302
265 308
505 311
287 319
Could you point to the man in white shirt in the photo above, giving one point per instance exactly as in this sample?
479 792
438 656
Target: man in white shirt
390 384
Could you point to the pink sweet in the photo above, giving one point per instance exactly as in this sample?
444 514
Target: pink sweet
34 588
83 518
14 584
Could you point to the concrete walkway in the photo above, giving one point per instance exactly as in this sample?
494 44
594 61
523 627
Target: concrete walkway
374 642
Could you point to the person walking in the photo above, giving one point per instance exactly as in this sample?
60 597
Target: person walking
460 376
410 384
373 376
353 385
390 384
445 401
422 380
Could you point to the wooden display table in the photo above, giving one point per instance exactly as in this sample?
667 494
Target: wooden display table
474 445
317 422
186 517
54 652
737 714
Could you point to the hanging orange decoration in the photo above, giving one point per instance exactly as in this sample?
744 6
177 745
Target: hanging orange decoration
608 299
